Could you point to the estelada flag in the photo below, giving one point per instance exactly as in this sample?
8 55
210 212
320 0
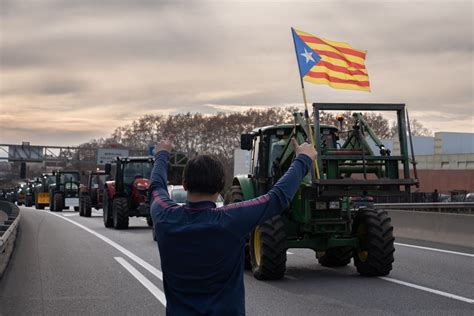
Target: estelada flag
336 64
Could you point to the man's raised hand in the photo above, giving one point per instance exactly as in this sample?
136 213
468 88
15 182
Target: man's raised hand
164 145
305 149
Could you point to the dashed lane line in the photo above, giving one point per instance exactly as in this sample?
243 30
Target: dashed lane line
155 291
126 252
159 274
436 250
427 289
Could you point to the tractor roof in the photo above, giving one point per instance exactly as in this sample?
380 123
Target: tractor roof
68 171
137 159
288 126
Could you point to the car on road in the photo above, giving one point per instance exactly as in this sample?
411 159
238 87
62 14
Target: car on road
469 197
178 194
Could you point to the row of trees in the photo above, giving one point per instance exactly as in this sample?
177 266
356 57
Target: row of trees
219 134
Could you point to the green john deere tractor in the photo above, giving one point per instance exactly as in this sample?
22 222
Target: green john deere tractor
333 214
64 192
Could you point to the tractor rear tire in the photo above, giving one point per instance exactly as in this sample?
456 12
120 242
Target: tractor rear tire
336 257
58 204
120 213
236 195
374 257
268 250
87 210
107 211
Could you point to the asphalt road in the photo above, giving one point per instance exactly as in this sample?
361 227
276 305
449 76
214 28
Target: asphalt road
64 264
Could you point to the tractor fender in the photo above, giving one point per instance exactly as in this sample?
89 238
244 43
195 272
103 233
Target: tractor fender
246 185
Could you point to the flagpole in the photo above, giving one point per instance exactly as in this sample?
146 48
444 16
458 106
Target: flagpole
306 112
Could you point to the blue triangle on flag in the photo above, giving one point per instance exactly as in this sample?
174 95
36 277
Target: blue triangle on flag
306 56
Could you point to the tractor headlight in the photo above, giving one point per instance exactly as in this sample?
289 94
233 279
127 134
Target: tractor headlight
334 205
320 205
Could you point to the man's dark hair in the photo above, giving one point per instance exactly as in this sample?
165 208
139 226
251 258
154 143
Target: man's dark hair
204 174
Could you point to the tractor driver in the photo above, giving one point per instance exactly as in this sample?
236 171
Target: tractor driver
202 246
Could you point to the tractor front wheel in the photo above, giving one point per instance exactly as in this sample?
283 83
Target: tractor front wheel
107 211
374 256
336 257
268 250
120 213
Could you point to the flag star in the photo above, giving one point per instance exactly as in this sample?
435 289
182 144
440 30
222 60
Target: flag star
308 56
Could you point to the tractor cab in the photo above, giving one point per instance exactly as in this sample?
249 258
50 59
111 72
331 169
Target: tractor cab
91 194
42 190
136 174
64 193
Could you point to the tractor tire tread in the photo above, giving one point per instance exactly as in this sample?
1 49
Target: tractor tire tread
380 243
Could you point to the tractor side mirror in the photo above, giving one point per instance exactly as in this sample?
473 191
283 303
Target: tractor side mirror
246 141
108 168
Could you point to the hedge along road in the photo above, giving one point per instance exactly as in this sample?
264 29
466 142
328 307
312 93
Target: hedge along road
66 264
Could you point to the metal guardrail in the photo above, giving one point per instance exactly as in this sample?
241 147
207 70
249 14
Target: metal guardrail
442 207
8 232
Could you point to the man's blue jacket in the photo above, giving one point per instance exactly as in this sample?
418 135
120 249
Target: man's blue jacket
202 246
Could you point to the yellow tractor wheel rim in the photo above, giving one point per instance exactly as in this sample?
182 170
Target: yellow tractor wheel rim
256 245
363 255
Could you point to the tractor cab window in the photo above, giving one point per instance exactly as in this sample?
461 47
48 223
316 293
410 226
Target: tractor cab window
68 177
50 180
71 186
98 181
134 170
254 162
277 145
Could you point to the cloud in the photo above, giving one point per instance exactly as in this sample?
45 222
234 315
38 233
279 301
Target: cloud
100 64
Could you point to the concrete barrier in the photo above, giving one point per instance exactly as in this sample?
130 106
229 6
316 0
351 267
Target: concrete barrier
454 229
8 232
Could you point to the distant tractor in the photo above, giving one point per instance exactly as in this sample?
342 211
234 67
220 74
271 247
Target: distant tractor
64 192
332 214
42 190
21 195
127 195
91 194
30 192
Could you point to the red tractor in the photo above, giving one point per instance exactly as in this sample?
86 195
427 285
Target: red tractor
91 194
127 195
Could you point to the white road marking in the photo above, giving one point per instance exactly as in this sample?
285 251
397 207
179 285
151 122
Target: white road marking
289 253
126 252
427 289
143 280
69 215
437 250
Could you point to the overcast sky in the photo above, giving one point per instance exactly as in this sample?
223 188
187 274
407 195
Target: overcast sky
75 70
